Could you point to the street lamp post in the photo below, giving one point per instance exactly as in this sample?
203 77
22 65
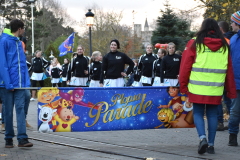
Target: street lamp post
32 5
89 19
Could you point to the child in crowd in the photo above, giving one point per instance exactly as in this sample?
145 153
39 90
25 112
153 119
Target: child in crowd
170 67
95 69
51 66
55 75
65 67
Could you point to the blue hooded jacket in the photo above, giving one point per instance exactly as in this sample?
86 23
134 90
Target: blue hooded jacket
235 55
14 71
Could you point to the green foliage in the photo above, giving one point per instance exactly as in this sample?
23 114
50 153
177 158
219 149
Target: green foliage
170 28
12 9
220 10
46 28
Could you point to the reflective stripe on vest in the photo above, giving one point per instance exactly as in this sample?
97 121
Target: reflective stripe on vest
208 72
206 83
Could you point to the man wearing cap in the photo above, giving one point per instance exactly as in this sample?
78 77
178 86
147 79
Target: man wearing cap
235 54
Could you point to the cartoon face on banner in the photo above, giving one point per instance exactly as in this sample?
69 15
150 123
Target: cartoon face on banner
102 109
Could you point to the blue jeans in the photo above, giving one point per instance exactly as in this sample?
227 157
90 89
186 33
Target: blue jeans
211 112
228 103
27 101
235 115
3 111
10 98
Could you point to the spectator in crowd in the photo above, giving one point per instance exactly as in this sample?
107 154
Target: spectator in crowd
205 68
75 55
224 27
14 75
235 53
131 78
170 67
113 66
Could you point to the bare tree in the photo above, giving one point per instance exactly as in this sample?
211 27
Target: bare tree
106 27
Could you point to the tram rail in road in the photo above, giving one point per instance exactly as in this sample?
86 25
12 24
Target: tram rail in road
105 151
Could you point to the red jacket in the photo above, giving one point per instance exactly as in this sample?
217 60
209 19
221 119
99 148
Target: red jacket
188 58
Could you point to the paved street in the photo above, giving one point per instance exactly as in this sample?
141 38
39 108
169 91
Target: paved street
115 145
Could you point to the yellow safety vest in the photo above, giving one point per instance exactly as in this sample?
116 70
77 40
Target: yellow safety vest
208 72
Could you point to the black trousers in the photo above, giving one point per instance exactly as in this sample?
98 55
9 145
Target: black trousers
34 83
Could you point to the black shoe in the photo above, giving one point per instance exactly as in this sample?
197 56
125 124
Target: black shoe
24 143
9 143
220 126
233 140
202 146
210 150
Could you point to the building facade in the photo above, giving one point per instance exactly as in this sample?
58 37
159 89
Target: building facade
145 35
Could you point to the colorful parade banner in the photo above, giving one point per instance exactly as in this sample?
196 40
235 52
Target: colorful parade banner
107 109
67 46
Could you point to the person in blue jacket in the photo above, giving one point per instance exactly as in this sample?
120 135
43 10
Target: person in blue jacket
14 76
235 54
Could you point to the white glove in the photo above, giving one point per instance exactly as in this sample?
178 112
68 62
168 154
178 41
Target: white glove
162 84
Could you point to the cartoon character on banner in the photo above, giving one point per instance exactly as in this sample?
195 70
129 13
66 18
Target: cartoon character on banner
47 97
167 117
183 112
45 116
76 97
65 117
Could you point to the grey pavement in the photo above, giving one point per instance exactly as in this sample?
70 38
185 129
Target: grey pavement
115 145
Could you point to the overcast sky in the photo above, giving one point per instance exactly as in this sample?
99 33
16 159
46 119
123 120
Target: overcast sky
143 8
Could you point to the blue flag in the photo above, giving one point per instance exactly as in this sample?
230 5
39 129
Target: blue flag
67 46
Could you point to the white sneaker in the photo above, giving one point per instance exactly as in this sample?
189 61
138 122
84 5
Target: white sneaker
32 99
0 116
